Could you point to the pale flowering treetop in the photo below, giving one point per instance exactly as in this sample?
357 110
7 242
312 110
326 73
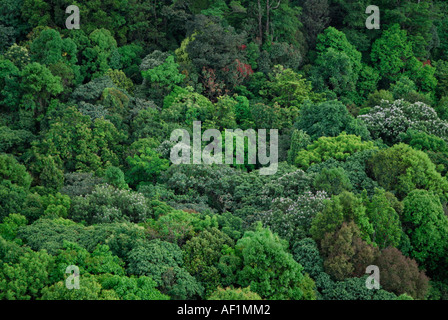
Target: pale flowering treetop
291 217
389 119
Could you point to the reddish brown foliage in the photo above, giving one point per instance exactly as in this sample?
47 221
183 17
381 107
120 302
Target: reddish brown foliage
400 274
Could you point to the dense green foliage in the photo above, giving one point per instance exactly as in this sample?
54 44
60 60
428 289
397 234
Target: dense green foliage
86 178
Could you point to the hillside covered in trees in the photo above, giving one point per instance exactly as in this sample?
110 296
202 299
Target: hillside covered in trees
86 179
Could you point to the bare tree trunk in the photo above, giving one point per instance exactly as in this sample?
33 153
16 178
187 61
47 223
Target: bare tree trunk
268 12
268 8
260 25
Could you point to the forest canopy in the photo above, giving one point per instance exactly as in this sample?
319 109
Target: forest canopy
86 177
